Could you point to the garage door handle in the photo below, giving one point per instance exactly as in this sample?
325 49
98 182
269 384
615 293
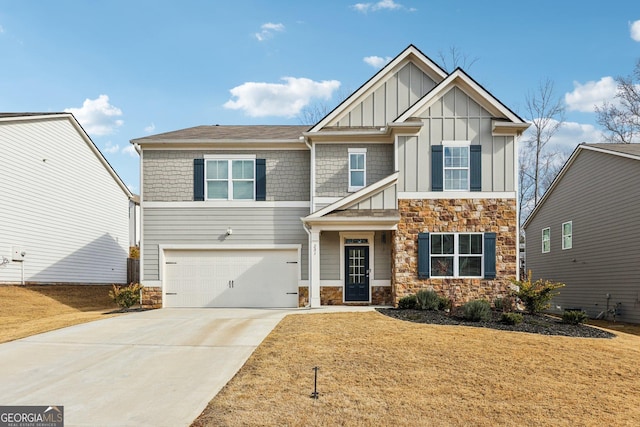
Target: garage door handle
292 262
292 293
171 293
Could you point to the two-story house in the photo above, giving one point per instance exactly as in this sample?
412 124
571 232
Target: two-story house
409 183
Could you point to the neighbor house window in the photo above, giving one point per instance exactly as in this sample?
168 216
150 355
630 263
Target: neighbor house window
456 167
357 168
230 179
456 255
546 240
567 235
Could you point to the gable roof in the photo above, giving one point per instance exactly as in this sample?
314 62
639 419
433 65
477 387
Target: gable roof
473 89
629 151
212 133
434 71
26 117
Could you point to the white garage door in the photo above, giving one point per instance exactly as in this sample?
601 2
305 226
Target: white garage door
231 278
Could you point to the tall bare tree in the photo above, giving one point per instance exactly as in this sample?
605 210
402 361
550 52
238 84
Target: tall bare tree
454 58
546 112
621 118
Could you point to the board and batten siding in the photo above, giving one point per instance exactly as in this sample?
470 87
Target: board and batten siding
600 195
61 206
168 174
208 226
330 256
456 117
388 101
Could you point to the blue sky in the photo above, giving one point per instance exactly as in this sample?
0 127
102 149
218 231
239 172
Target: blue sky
129 69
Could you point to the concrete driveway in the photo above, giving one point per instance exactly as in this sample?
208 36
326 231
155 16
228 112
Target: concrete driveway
154 368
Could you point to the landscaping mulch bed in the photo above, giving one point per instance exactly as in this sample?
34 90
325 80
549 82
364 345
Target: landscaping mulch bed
535 324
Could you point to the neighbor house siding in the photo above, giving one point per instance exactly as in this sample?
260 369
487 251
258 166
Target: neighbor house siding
600 194
208 226
389 100
332 166
168 174
60 205
456 117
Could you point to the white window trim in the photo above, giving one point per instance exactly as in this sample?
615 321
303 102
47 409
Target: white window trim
548 240
466 144
456 256
363 151
570 235
230 159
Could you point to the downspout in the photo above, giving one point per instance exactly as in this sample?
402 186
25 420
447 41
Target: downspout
306 229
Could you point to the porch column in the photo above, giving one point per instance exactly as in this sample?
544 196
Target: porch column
314 285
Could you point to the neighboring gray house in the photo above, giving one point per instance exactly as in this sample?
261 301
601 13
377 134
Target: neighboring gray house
585 232
410 183
65 215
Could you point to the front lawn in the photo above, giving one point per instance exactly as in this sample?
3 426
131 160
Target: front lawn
376 370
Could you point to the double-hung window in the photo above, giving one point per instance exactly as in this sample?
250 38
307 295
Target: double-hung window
230 179
546 240
456 254
567 235
357 168
456 167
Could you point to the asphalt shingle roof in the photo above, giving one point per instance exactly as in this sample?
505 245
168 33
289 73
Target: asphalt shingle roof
230 132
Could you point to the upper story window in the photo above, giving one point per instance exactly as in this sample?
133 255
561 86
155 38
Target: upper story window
456 167
567 235
456 255
546 240
230 179
357 168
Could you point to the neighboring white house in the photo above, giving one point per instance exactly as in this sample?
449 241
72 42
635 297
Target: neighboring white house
65 213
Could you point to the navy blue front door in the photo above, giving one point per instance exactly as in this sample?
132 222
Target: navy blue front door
356 275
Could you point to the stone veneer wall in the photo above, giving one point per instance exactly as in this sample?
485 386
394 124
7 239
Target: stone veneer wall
151 297
332 295
454 215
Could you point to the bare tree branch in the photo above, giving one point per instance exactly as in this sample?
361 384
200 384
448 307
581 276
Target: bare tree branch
455 58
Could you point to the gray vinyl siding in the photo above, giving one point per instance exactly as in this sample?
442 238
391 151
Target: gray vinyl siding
456 117
391 99
330 256
332 166
168 174
207 226
386 199
600 194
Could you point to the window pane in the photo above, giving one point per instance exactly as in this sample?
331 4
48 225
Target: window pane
217 169
456 179
566 242
442 244
356 161
456 157
442 266
476 244
357 179
242 169
566 228
470 266
464 243
217 190
242 190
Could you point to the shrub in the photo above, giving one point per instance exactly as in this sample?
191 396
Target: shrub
444 303
574 317
477 310
511 318
126 296
134 252
427 299
536 296
407 302
504 304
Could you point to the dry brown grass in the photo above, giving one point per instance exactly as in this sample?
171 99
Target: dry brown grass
375 370
30 310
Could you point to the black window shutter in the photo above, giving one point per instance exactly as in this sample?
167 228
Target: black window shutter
261 179
475 164
423 255
436 168
198 179
489 255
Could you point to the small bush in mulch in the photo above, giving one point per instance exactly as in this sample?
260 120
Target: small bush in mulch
531 323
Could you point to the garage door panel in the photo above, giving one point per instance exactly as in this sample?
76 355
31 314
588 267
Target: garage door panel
231 278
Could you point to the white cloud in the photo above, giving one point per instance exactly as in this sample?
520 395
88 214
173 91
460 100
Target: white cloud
635 30
286 99
380 5
377 61
585 97
569 135
1 29
130 150
267 31
97 116
150 128
111 148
